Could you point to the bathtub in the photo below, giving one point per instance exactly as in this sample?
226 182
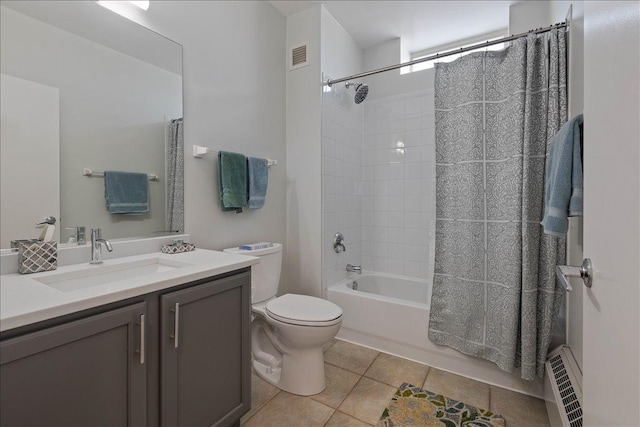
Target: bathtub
391 314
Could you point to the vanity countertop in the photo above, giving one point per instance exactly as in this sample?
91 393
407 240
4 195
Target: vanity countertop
26 299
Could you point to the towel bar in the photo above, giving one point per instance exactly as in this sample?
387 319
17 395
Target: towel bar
200 151
88 172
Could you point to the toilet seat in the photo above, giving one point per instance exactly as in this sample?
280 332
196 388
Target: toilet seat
303 310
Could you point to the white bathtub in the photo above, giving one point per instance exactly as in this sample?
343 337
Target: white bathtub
391 314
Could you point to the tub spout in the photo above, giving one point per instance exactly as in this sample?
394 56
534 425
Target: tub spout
354 268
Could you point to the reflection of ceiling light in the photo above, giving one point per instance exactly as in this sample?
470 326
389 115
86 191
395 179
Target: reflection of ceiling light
123 7
143 4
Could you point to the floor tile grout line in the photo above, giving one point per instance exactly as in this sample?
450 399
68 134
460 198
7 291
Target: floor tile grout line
345 396
262 406
370 364
330 416
354 416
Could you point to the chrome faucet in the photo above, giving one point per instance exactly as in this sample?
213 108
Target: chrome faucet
354 268
96 246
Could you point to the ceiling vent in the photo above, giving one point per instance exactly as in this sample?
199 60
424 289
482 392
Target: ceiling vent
299 56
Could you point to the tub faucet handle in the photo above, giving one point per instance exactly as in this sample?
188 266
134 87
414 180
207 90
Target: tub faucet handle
338 246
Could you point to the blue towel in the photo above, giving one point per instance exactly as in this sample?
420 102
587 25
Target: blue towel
232 169
563 189
258 174
126 192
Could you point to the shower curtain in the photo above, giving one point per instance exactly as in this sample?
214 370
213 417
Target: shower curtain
494 290
175 177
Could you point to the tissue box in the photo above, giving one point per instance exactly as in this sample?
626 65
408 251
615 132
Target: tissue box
34 257
177 249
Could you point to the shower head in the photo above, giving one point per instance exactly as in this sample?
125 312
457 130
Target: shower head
361 91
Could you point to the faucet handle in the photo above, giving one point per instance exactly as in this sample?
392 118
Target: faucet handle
79 234
96 233
338 246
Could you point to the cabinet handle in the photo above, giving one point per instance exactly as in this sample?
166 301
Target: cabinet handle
142 339
176 325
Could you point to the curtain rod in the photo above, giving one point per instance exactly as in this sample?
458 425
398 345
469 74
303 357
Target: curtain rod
447 53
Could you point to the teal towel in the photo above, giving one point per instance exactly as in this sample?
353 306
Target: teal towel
232 169
258 174
563 187
126 192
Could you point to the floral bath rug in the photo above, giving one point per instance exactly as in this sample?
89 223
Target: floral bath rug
414 406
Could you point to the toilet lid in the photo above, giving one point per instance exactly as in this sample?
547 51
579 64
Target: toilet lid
303 309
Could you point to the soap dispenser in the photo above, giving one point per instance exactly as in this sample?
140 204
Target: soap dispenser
48 228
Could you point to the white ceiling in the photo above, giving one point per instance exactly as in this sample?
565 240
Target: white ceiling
420 24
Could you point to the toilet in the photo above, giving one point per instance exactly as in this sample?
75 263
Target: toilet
287 332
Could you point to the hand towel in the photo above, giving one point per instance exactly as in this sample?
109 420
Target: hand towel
258 170
126 192
232 168
563 187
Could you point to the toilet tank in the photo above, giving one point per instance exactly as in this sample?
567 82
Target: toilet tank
265 276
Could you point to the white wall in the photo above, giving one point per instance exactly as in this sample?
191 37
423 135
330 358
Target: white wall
303 252
340 55
30 135
107 121
342 133
234 99
399 183
527 15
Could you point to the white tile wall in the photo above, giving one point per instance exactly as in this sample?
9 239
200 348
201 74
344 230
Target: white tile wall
399 184
342 185
378 183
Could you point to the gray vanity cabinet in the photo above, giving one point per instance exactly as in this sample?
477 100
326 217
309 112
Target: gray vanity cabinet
91 368
87 372
205 353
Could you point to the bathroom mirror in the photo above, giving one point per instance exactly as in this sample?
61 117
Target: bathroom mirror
85 88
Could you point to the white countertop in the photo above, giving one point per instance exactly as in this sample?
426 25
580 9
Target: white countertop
25 300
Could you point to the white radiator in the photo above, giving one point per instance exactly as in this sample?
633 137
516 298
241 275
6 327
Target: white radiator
563 389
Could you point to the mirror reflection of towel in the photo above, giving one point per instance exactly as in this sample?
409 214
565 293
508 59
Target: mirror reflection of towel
258 176
126 192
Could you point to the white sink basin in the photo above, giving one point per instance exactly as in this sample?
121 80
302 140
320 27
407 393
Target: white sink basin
96 275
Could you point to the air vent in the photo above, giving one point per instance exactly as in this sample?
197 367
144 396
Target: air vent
565 381
299 56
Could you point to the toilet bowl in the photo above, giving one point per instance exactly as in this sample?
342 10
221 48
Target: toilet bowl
287 338
288 332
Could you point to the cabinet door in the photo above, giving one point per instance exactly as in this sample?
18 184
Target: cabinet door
206 353
88 372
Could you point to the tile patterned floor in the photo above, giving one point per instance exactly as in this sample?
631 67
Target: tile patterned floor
360 383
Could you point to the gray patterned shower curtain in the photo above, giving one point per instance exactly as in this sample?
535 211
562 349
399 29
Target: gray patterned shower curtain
494 289
175 177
